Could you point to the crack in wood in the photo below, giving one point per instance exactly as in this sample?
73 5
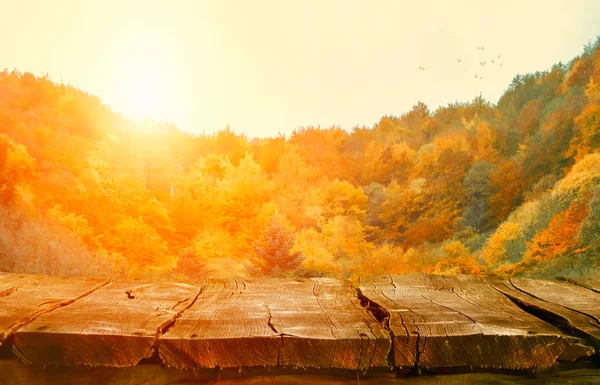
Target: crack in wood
270 320
524 292
403 324
417 367
360 352
14 289
465 296
10 331
167 325
596 319
546 315
422 350
182 301
578 283
367 322
449 308
331 324
438 338
17 325
374 351
382 315
392 283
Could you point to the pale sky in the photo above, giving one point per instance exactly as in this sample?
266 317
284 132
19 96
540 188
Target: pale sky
269 66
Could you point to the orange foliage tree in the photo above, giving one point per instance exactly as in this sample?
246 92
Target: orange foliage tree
470 188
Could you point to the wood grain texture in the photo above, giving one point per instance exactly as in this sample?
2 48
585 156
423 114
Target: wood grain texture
590 282
460 321
10 283
226 327
40 296
329 329
115 326
14 373
571 305
276 322
436 322
573 321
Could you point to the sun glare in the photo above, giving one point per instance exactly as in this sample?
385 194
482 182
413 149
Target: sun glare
142 74
143 94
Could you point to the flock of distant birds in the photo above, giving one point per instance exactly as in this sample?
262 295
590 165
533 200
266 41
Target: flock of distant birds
483 63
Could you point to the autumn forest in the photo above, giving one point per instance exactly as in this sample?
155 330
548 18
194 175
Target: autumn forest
477 188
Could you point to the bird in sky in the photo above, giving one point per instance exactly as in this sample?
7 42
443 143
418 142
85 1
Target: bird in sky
421 68
459 60
480 48
482 63
476 77
492 61
498 56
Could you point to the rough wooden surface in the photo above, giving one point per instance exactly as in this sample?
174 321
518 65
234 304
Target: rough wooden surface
275 322
434 323
591 282
223 330
114 326
448 321
12 282
327 329
13 373
40 296
572 306
572 297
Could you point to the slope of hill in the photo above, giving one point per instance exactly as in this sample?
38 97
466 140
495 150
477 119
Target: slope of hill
512 188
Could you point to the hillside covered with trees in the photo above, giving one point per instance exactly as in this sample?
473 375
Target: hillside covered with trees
512 188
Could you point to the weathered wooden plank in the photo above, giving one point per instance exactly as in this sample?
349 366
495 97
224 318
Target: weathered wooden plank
570 296
447 321
331 321
222 330
42 295
566 304
271 322
591 282
115 326
575 322
10 282
14 373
